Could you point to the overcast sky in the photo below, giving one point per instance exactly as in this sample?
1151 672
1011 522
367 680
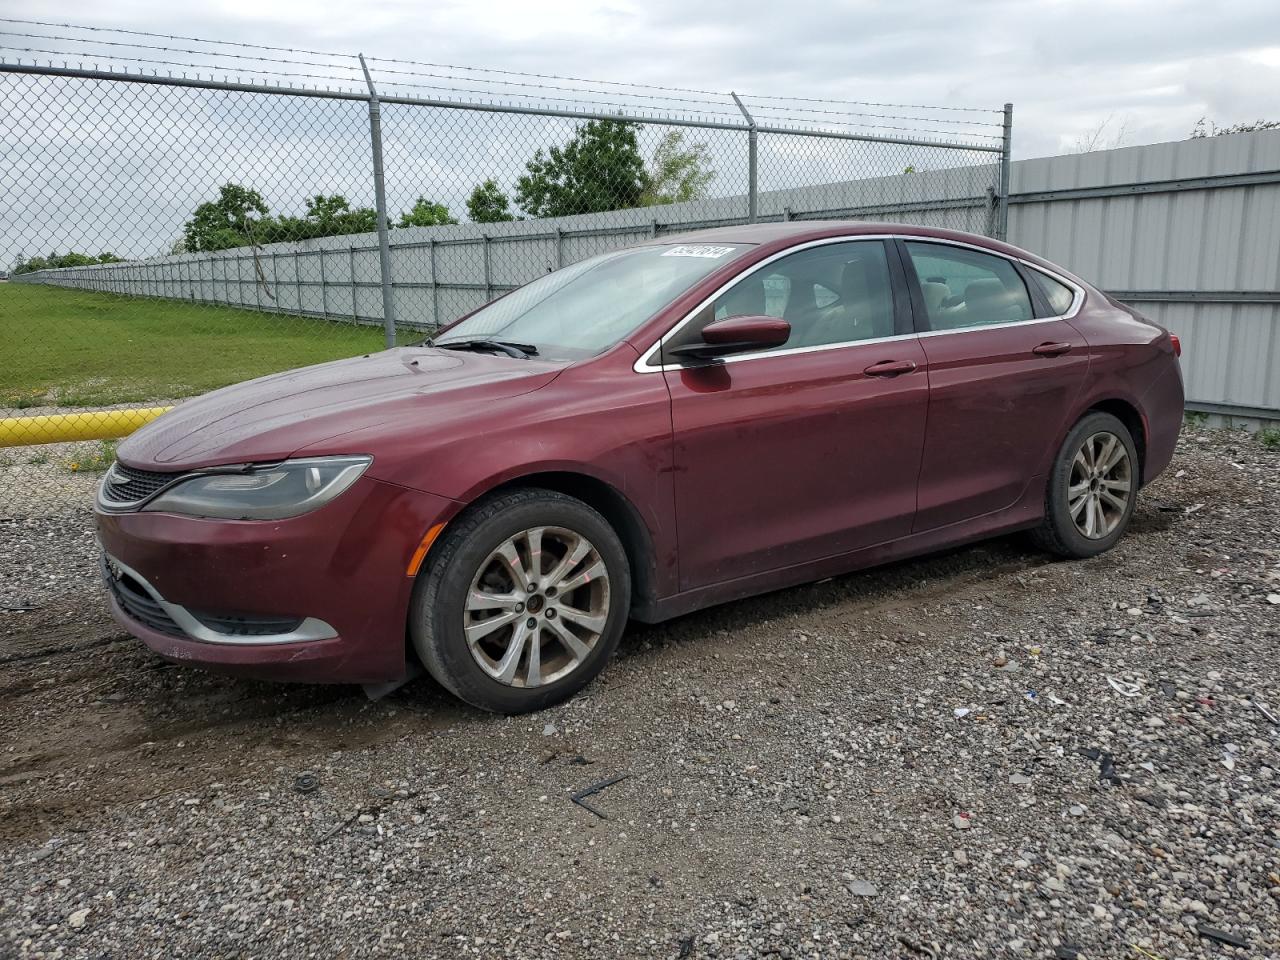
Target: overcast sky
1149 67
120 167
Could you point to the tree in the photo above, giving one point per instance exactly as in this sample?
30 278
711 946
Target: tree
488 204
331 216
1099 137
227 222
426 213
55 260
1207 128
677 173
599 169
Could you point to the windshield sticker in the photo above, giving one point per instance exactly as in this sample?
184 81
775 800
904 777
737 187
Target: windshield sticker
710 253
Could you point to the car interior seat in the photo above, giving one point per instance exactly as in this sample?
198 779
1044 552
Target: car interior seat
867 302
990 301
935 292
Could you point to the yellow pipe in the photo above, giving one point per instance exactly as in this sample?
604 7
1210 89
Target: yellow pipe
62 427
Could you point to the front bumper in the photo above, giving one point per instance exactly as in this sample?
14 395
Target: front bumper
321 598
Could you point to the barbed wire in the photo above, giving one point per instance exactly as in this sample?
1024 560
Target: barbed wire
654 113
718 103
646 86
169 36
456 67
211 68
202 53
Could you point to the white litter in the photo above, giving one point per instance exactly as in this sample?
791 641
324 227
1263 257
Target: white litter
1124 687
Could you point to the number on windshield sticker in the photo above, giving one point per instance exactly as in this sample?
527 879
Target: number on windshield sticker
711 253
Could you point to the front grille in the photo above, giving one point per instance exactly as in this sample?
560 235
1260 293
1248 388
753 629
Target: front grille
129 485
137 603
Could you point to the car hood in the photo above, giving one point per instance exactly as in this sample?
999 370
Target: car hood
273 417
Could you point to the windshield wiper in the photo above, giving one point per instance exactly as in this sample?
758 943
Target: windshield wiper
521 351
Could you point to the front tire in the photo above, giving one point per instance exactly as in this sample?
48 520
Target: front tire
1093 488
523 603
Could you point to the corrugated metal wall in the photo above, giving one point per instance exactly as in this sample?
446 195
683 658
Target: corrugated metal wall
1189 234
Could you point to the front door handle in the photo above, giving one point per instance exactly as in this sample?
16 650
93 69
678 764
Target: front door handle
889 368
1051 349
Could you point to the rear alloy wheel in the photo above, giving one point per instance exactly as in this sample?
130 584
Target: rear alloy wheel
1092 489
1099 485
524 602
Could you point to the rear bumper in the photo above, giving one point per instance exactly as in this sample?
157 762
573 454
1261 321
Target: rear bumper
321 598
1162 407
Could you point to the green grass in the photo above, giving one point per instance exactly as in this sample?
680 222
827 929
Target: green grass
78 348
1269 437
99 461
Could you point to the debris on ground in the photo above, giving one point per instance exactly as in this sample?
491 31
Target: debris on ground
841 767
580 797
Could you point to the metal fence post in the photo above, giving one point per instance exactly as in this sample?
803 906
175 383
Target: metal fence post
324 287
1002 217
275 282
435 285
355 302
752 185
380 202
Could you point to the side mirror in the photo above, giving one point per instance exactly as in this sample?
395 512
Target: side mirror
721 338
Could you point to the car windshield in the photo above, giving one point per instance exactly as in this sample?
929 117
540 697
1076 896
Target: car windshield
588 307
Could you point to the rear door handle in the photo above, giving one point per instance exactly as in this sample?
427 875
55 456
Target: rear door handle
1051 349
889 368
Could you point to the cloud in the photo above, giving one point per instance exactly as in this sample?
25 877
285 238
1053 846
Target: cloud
1066 66
1152 67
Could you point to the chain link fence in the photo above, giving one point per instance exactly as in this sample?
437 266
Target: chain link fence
166 230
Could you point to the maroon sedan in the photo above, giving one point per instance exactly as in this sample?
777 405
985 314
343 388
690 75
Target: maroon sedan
654 430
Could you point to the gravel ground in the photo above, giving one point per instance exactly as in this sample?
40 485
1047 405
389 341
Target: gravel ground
978 754
38 482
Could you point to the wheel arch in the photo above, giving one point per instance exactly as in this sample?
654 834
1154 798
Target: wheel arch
614 506
1127 413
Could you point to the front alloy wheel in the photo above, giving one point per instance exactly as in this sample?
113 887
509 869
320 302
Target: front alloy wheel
521 601
537 607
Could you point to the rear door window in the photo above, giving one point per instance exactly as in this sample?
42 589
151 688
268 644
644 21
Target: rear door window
963 288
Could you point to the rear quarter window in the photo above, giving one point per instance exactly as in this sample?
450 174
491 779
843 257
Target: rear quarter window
1059 295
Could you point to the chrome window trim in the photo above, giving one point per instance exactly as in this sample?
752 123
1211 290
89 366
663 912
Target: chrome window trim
309 629
644 363
988 326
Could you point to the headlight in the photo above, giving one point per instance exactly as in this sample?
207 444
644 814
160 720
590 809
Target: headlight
264 493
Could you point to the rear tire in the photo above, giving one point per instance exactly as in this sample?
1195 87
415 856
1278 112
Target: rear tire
523 603
1092 489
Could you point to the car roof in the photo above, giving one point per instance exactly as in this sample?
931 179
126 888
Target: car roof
782 235
799 230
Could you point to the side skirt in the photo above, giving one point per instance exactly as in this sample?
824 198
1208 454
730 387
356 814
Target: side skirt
1023 515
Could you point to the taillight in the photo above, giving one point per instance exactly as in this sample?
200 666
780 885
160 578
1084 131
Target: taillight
1177 344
